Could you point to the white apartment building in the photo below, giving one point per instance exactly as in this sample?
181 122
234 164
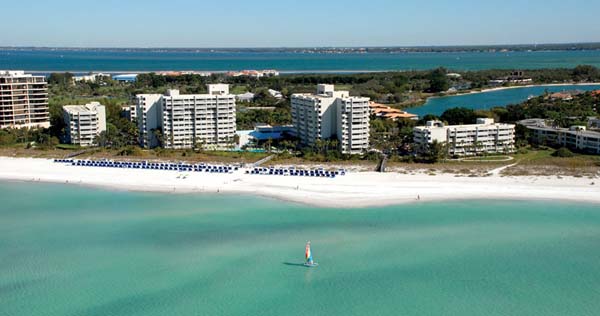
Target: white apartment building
576 137
187 120
353 125
330 113
23 100
466 140
84 123
129 111
149 118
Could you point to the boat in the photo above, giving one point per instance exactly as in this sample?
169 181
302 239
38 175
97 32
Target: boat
309 260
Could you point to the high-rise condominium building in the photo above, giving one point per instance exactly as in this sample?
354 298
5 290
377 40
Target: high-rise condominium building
84 123
466 140
23 100
181 121
329 113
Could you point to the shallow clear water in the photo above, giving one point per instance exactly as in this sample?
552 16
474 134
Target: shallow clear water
68 250
61 60
490 99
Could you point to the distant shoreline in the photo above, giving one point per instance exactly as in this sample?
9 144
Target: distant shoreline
514 87
285 72
365 49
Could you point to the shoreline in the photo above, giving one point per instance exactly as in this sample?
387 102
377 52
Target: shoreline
285 72
515 87
354 190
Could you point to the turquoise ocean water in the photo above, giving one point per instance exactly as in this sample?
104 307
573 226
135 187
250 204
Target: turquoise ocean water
63 60
488 100
79 251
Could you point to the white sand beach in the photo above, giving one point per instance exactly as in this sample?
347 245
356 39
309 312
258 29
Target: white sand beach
355 189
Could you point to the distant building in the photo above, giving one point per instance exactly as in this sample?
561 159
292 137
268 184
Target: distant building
576 137
330 113
90 77
84 123
182 121
561 96
564 95
389 113
460 86
23 100
466 140
245 97
125 77
516 77
276 94
253 73
183 73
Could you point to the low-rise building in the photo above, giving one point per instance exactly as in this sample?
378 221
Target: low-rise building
84 123
564 95
485 136
93 77
276 94
245 97
183 73
390 113
253 73
576 137
125 77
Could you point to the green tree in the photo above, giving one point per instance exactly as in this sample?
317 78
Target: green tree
457 116
438 80
436 151
62 79
585 73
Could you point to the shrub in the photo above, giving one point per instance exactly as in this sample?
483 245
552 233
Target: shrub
130 151
563 153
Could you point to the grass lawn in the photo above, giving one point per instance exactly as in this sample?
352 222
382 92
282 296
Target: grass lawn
238 89
488 158
541 162
68 147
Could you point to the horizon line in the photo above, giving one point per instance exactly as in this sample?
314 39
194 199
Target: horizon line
299 47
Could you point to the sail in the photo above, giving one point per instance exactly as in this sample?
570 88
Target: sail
308 253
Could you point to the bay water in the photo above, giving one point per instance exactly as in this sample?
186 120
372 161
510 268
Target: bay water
490 99
47 60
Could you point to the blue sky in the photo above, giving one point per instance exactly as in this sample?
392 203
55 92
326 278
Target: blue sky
279 23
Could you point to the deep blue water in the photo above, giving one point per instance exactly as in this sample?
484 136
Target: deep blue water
488 100
61 60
